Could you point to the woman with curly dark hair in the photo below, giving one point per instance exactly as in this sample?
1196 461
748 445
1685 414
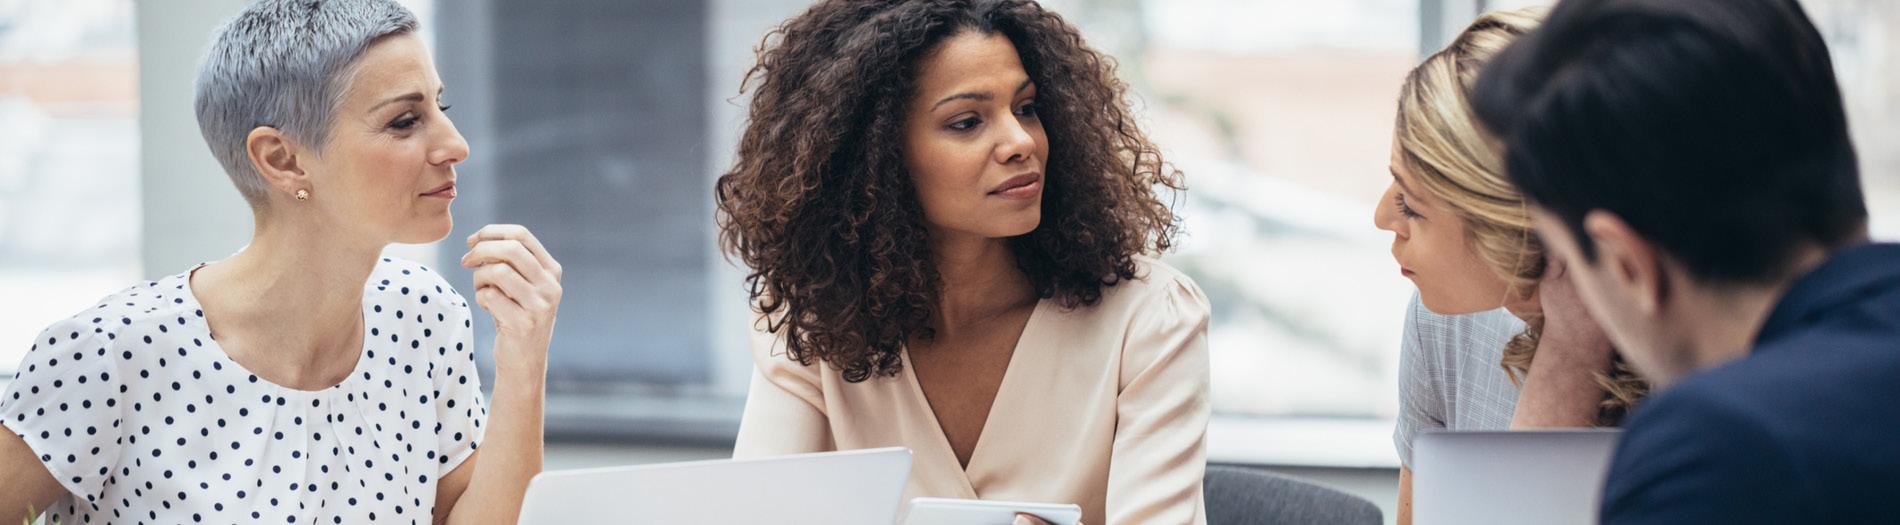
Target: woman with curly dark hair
949 214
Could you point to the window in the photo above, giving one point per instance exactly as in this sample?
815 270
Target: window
1280 113
1864 37
69 148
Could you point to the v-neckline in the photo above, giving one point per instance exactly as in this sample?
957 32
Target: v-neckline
942 440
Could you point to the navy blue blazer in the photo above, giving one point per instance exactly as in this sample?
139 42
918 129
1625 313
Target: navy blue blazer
1805 429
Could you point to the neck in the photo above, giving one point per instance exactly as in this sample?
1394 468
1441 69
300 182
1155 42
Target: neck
1525 308
1722 325
296 290
979 279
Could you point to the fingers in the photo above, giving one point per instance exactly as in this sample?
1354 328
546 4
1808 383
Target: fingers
505 279
512 253
498 305
515 280
1026 519
518 233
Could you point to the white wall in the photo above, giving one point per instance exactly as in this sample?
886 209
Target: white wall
192 213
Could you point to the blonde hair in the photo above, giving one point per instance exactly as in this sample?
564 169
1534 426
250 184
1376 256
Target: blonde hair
1442 145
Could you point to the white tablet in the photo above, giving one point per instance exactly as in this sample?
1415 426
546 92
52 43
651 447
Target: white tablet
856 487
941 511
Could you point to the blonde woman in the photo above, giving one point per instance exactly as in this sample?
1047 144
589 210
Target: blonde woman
1488 302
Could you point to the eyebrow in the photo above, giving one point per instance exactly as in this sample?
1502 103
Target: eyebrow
1395 177
413 97
980 97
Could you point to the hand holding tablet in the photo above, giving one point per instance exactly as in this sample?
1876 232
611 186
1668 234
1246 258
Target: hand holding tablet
940 511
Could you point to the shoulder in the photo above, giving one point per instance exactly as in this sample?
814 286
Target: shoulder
1667 464
147 308
1151 312
1807 394
1803 379
1698 402
769 351
119 331
404 284
1157 290
1153 324
775 366
1671 427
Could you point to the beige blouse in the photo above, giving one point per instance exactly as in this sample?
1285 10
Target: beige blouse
1104 406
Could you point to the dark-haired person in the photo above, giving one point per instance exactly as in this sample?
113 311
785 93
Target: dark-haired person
1691 162
949 212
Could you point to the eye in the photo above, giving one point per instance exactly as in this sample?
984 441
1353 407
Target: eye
444 108
1029 109
965 124
1398 199
404 122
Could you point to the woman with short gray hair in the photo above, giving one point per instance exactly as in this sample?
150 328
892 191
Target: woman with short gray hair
305 379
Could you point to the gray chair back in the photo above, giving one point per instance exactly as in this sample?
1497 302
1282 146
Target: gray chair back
1245 496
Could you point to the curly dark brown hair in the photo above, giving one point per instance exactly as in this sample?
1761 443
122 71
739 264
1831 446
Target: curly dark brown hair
820 206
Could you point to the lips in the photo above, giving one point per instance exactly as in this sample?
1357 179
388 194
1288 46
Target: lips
1025 185
446 191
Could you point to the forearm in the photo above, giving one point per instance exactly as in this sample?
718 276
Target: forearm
1405 496
27 487
1560 389
511 450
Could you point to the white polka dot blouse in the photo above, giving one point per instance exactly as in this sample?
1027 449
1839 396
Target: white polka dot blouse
143 419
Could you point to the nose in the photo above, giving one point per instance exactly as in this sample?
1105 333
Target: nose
1016 143
1384 217
451 148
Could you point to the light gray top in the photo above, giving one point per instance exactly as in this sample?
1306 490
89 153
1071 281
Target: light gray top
1449 375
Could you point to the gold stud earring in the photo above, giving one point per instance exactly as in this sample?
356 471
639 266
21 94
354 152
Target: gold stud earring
303 195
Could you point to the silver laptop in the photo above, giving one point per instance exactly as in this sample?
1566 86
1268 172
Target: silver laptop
1548 477
844 488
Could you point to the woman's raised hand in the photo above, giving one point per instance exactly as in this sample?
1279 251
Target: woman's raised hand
519 284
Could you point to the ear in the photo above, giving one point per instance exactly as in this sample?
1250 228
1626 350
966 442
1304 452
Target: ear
1631 261
278 159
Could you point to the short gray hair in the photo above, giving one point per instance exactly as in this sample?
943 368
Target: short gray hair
284 64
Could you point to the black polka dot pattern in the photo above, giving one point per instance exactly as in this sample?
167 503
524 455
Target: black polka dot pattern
139 414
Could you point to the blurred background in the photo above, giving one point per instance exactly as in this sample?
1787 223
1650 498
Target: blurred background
601 125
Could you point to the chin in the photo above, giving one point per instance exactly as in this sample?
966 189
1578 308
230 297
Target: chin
428 231
1015 227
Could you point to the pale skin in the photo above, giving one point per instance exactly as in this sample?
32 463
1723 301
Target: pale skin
1432 246
976 150
384 174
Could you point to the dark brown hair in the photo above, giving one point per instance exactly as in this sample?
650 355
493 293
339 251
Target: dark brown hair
820 206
